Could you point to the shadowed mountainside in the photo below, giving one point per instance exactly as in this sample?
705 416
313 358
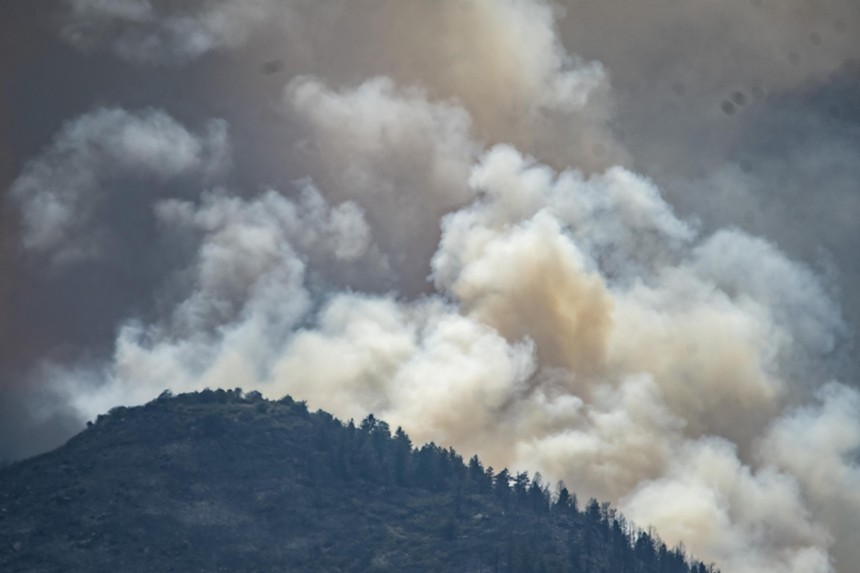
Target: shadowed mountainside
226 481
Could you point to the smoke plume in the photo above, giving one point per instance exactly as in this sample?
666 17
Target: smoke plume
564 236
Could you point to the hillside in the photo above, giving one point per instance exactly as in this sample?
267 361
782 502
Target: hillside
226 481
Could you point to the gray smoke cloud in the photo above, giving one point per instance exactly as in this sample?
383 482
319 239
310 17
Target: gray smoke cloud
59 193
564 236
159 33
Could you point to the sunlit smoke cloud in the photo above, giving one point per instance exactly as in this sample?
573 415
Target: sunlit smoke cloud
471 251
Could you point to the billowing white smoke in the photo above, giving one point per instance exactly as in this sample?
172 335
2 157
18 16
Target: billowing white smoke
579 329
571 323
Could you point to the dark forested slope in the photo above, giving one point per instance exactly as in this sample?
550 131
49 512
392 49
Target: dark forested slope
226 481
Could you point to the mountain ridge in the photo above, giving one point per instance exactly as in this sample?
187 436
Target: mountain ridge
222 480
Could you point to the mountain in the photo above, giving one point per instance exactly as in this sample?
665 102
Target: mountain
228 481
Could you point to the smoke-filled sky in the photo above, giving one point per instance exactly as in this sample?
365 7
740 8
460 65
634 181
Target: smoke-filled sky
615 242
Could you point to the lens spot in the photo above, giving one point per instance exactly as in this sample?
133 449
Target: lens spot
739 98
272 67
728 107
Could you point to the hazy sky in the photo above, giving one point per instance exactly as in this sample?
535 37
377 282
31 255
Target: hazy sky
615 241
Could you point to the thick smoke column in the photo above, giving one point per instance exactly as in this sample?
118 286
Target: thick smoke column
441 215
